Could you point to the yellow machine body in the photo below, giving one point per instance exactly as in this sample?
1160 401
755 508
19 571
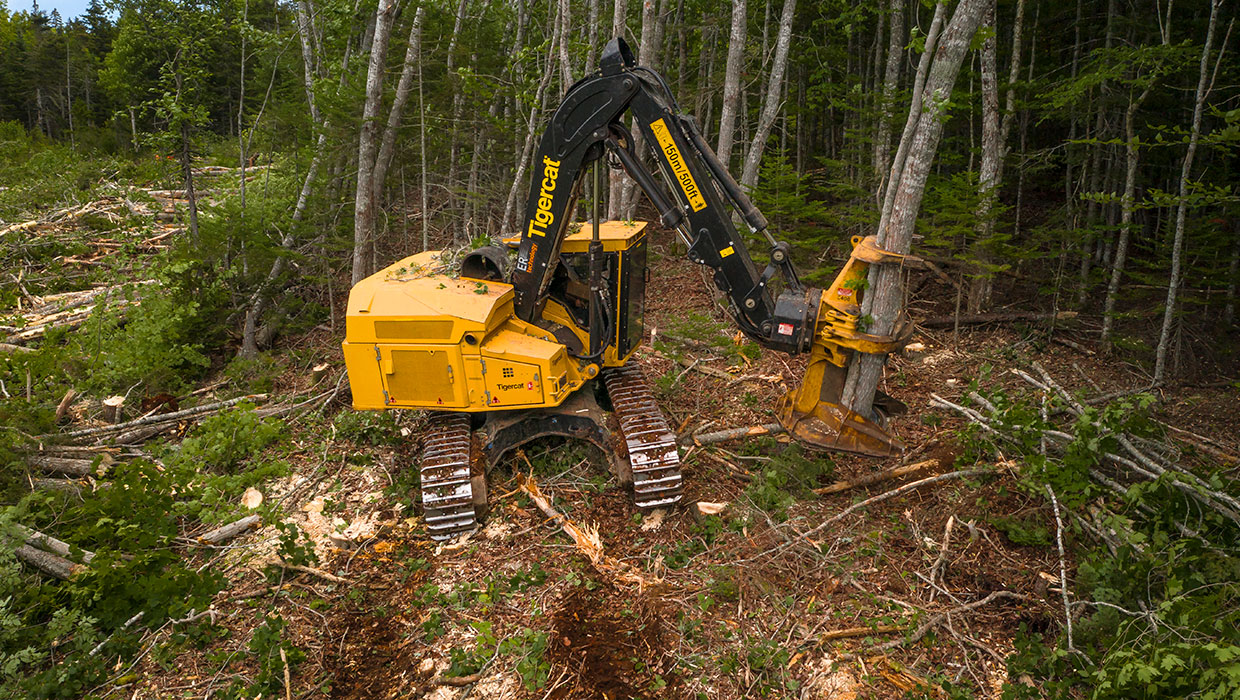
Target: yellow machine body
419 337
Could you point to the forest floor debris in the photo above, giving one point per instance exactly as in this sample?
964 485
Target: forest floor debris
787 574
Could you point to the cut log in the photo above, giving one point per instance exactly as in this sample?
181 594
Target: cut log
114 409
48 563
319 371
162 418
737 433
877 477
53 545
220 535
69 486
979 319
9 347
69 465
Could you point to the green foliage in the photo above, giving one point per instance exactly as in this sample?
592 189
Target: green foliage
788 473
1160 616
162 343
367 427
527 646
222 442
266 646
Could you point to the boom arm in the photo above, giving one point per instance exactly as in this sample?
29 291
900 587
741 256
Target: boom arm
587 125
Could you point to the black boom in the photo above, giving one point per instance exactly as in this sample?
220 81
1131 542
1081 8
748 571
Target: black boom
587 126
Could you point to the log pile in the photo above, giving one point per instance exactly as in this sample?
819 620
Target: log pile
66 310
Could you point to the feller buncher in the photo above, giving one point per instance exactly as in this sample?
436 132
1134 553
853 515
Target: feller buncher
501 357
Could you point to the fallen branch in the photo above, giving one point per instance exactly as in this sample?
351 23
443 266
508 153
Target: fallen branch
939 619
979 319
220 535
859 632
877 477
962 474
9 347
314 572
737 433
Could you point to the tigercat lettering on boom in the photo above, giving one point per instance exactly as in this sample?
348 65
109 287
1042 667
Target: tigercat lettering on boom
679 169
542 215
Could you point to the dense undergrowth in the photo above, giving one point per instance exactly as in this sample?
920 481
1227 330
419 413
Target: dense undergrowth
1156 611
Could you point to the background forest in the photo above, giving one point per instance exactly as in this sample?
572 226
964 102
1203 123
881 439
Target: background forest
213 175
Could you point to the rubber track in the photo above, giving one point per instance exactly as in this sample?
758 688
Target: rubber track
447 496
651 443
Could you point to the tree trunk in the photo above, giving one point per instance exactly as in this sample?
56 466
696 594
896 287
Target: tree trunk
458 106
367 147
648 56
1204 85
988 175
914 115
387 146
891 83
566 65
592 20
772 102
1127 205
732 82
885 285
540 100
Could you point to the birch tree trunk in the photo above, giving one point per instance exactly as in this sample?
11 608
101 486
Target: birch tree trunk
540 101
885 285
458 105
404 86
773 100
1126 206
592 20
367 146
648 56
566 64
1204 85
988 174
891 82
732 82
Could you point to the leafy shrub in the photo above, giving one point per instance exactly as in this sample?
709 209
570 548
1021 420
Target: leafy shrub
367 427
163 343
223 441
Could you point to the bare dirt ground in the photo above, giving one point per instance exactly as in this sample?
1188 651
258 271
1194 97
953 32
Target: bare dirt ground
740 606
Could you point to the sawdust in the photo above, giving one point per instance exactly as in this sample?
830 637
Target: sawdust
829 681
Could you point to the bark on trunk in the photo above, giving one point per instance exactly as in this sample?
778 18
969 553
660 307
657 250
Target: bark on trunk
885 283
988 175
540 100
1127 205
891 82
1204 85
367 147
732 82
773 100
387 146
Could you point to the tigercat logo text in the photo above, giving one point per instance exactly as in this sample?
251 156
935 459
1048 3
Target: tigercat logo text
679 169
518 385
542 215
